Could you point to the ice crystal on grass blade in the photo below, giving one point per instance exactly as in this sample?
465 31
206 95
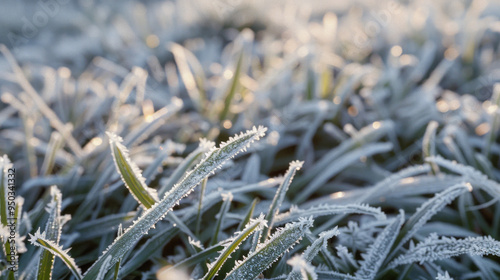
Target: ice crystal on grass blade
438 248
213 160
267 253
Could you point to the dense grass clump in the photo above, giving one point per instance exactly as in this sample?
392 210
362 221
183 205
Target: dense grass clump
244 140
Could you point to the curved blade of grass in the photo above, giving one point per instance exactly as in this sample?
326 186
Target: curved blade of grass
319 244
130 173
52 233
438 248
472 175
213 160
254 225
267 253
326 210
425 212
39 239
280 196
374 258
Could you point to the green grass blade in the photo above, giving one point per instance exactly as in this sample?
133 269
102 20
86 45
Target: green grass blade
130 173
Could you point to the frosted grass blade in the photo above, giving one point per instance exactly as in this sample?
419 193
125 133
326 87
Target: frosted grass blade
267 253
377 253
280 196
327 210
438 248
39 239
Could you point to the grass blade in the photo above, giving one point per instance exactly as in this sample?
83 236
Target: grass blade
130 173
254 225
280 196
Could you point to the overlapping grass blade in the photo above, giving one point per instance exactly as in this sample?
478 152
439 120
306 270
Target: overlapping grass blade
213 160
377 253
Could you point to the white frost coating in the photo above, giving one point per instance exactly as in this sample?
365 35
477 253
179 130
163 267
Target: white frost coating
377 253
470 174
437 248
327 209
267 253
105 267
38 239
444 276
318 244
116 145
195 243
150 217
227 196
301 269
